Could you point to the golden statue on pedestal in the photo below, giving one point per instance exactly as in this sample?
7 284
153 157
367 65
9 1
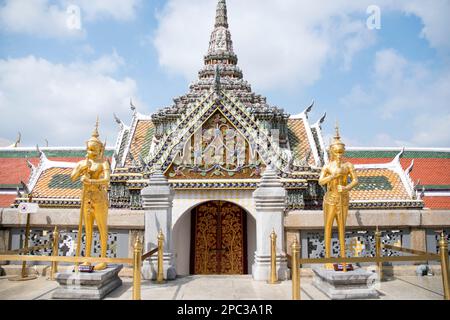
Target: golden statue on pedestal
95 175
335 175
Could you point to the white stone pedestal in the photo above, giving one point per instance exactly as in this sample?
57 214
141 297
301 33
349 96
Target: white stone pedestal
87 286
338 285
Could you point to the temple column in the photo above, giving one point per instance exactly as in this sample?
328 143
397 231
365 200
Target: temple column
270 200
157 202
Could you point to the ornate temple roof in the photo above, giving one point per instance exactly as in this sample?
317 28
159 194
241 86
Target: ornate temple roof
133 143
220 87
306 141
429 172
220 70
385 185
17 165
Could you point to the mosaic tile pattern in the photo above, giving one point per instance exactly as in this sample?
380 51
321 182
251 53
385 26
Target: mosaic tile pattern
55 183
437 238
298 140
379 184
361 241
141 140
68 243
63 181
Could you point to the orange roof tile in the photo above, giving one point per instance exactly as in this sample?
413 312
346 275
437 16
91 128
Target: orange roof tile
6 200
56 183
437 202
379 184
14 170
298 140
141 139
430 171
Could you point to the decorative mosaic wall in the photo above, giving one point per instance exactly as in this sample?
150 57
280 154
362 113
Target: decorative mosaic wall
117 242
433 237
119 195
358 243
313 196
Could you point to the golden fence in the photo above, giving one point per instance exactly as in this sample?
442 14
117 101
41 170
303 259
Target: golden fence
136 261
378 259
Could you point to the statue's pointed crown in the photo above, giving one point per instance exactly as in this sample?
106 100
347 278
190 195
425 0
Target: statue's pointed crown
337 138
95 135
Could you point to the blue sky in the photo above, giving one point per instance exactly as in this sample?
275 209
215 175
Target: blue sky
387 87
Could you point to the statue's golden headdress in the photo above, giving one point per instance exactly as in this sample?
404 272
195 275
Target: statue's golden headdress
94 138
337 139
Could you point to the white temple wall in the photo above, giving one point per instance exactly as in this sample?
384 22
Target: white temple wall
182 242
251 241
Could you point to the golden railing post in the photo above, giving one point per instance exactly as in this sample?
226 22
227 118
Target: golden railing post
55 253
137 262
273 259
443 250
160 274
25 246
295 247
378 252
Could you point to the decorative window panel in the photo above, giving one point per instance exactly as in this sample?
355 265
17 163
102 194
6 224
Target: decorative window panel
358 243
117 242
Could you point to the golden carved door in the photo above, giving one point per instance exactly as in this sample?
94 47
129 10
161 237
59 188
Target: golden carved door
218 240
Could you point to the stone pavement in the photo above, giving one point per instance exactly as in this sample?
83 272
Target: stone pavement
228 288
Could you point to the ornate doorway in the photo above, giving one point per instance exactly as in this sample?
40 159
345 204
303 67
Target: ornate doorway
218 239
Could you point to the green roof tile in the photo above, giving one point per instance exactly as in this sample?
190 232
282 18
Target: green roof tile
373 183
63 181
376 154
434 187
49 153
148 141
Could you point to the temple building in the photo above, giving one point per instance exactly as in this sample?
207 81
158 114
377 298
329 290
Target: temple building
218 171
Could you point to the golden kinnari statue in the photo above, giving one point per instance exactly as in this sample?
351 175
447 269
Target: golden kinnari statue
335 175
95 175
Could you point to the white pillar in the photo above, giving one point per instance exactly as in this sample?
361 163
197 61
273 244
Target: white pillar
270 200
157 202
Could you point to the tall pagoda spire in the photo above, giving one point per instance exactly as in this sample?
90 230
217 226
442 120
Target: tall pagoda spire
220 52
221 15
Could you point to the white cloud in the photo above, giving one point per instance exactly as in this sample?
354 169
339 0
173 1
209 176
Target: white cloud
105 65
60 102
434 16
432 129
35 17
414 98
285 43
121 10
45 18
5 142
279 44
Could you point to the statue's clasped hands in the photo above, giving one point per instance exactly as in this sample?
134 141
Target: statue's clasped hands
84 179
337 175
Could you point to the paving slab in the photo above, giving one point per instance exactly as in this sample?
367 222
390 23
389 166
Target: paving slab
228 288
